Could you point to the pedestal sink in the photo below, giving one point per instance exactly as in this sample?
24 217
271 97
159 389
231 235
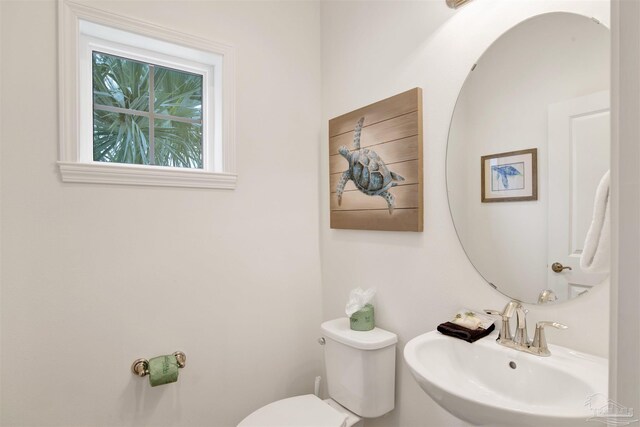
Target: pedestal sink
487 384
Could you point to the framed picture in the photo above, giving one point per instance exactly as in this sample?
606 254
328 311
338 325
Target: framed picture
375 166
510 177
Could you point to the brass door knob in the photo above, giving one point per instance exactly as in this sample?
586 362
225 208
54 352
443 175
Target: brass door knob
557 267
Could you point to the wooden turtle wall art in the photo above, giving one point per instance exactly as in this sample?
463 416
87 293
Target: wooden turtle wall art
368 171
375 166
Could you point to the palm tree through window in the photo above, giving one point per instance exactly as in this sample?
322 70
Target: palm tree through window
146 114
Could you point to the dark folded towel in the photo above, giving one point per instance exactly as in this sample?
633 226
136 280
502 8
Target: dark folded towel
468 335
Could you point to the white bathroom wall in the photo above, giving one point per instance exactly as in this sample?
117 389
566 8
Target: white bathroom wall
504 107
1 244
624 375
95 276
373 50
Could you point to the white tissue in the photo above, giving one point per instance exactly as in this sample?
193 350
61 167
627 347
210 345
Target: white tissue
358 298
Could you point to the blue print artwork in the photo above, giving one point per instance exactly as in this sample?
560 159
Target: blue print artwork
507 177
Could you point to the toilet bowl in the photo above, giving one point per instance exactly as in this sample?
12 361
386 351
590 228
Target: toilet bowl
360 369
302 411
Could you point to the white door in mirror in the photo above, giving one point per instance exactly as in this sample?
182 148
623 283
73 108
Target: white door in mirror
579 135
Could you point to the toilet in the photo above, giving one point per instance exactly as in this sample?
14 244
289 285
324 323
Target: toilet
360 369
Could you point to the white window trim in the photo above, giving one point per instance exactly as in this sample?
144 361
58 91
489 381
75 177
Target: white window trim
75 166
210 68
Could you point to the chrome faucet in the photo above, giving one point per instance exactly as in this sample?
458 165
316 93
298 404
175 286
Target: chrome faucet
504 337
547 296
539 344
521 338
521 341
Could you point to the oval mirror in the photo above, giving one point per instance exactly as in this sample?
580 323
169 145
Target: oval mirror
528 147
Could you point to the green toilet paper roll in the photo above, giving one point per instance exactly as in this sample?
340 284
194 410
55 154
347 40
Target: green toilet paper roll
363 320
163 370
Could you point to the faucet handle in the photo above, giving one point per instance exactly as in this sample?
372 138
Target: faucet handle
504 336
539 344
507 312
522 337
493 312
557 325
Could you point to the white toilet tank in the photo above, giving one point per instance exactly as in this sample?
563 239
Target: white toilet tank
360 367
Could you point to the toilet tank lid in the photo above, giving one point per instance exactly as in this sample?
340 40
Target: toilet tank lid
339 330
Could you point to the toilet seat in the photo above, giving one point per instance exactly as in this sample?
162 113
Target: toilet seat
299 411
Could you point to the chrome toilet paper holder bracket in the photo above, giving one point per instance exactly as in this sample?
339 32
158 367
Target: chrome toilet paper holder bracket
140 367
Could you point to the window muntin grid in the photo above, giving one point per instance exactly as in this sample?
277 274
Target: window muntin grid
171 135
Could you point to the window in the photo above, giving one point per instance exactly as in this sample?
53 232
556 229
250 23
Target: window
145 114
147 106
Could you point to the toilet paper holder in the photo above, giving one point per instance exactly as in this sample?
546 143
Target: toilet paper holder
140 367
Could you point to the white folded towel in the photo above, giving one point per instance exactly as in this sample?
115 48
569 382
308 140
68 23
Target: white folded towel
595 256
473 319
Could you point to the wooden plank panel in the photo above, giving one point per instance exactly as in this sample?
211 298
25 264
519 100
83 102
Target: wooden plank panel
403 103
388 130
409 170
337 164
406 197
393 129
390 152
400 220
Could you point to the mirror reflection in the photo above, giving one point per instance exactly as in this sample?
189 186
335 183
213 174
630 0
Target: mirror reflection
528 147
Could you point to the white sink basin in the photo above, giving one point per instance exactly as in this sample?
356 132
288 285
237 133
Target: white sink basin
479 383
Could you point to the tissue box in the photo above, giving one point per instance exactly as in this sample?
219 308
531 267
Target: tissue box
363 320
